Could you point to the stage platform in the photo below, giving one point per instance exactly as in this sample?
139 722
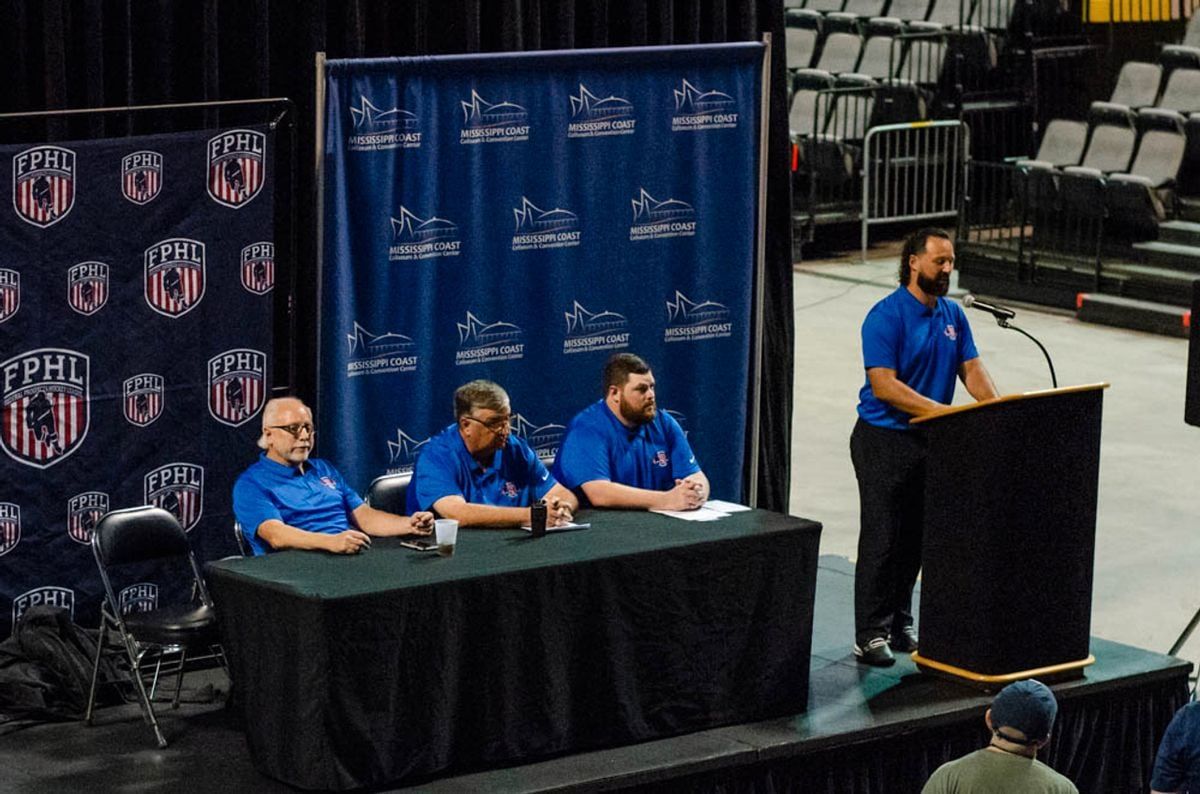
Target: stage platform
866 730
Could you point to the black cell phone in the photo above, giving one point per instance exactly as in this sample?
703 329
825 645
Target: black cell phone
420 544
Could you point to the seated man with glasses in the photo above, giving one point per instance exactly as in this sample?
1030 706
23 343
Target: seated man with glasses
287 501
478 473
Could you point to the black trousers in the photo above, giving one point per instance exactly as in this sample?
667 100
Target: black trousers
890 467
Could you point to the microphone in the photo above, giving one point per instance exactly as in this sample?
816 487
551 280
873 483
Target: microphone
999 312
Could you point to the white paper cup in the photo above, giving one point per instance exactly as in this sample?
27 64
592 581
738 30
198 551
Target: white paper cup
445 530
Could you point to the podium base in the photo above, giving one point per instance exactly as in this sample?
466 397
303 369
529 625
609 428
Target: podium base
1054 672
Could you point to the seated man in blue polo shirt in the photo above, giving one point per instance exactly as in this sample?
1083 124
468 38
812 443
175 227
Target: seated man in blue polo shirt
287 501
478 473
623 452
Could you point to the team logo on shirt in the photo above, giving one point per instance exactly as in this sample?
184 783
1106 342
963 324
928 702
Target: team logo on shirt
660 459
87 287
83 513
690 321
951 334
10 527
544 440
140 597
258 267
402 453
44 184
177 488
141 176
10 293
237 167
329 483
143 401
509 489
236 385
174 276
61 597
45 405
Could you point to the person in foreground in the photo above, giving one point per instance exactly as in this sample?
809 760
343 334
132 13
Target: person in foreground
287 501
915 343
623 452
1177 766
480 474
1020 719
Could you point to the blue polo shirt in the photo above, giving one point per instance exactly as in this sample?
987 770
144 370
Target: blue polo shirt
597 446
515 478
924 346
316 500
1177 767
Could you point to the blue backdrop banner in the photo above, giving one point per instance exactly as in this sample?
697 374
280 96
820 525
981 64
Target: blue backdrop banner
520 217
136 289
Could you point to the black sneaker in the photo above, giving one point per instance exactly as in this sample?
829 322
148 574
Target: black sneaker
876 653
905 641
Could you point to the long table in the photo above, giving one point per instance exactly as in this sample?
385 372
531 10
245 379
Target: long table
396 664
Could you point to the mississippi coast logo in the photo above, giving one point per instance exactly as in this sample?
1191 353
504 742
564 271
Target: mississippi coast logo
702 110
588 331
379 354
480 342
493 122
593 117
377 130
691 321
538 228
655 220
414 237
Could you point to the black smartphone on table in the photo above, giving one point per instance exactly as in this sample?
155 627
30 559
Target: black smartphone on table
420 544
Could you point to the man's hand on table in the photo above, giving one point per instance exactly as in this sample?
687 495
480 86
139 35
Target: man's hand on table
422 523
349 541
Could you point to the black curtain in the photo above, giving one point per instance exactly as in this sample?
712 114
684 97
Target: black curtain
98 53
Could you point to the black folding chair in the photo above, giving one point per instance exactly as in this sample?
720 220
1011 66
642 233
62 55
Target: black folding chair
243 545
390 493
139 535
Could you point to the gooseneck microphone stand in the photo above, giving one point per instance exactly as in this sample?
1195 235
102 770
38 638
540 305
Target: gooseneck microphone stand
1004 323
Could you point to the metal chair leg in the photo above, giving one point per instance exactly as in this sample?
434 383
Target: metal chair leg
87 717
157 670
179 677
135 659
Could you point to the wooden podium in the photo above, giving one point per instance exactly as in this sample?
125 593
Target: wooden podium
1010 525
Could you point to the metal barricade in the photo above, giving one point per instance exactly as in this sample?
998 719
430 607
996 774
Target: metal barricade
913 171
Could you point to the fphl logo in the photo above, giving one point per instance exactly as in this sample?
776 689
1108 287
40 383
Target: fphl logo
480 342
44 184
143 398
593 117
377 354
587 331
174 276
542 439
140 597
258 267
83 513
46 405
10 293
10 527
403 452
377 130
61 597
177 488
237 167
703 110
654 219
236 385
689 321
141 176
414 237
87 287
539 228
493 122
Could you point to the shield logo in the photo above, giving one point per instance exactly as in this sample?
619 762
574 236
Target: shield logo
141 176
236 385
143 401
61 597
87 287
83 513
177 488
237 167
140 597
10 527
44 184
258 267
174 276
46 405
10 293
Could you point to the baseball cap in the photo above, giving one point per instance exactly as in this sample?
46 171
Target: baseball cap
1028 706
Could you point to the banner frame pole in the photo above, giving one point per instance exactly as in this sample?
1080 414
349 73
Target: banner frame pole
764 117
31 114
319 202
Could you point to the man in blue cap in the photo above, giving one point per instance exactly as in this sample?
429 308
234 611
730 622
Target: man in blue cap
1020 719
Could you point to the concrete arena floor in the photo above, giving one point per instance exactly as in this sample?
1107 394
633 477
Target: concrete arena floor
1148 535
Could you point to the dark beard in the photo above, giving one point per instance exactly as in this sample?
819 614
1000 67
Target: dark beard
636 418
934 286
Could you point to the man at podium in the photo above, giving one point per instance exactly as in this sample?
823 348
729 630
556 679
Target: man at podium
915 344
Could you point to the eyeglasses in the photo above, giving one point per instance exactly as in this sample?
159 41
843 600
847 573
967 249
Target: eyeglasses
295 430
495 425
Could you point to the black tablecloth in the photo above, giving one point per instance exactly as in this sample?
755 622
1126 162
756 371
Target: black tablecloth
395 663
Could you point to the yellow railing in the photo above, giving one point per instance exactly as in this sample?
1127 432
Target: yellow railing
1139 10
